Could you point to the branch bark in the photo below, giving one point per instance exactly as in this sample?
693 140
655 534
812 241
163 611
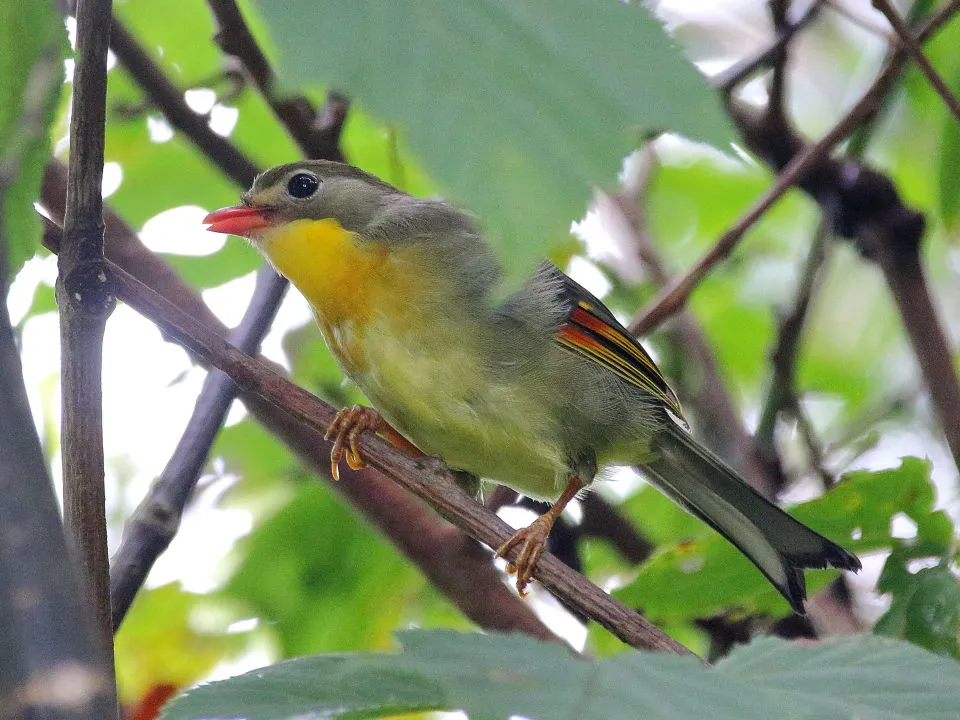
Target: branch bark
149 532
47 632
86 301
317 134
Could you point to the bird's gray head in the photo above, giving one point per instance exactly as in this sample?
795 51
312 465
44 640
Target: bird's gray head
320 189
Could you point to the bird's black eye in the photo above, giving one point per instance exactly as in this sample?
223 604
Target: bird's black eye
303 185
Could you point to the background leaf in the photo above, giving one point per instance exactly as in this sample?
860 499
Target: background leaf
30 85
700 573
515 108
494 677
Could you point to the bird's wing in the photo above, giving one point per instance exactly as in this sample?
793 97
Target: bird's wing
591 331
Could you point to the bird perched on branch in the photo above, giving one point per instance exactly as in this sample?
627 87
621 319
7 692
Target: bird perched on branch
536 390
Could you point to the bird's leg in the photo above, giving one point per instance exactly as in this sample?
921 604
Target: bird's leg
534 537
345 432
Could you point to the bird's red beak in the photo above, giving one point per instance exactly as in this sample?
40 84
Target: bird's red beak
237 220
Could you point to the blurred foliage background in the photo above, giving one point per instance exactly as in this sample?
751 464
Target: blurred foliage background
471 103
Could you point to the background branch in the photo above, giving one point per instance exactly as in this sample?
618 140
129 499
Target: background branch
863 205
85 302
149 532
51 637
807 166
317 134
166 96
913 48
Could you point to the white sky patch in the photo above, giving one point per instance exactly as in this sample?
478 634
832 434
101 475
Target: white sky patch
588 275
20 295
158 129
112 178
223 119
228 301
293 313
200 100
181 231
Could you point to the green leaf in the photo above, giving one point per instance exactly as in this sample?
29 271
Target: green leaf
515 108
159 645
31 79
925 611
702 575
322 578
950 172
495 676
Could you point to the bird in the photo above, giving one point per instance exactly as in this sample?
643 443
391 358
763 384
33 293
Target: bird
538 387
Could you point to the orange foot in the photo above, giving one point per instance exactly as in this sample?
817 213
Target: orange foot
345 431
534 538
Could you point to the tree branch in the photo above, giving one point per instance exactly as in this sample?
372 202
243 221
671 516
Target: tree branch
808 166
86 301
913 48
317 134
149 532
48 632
166 96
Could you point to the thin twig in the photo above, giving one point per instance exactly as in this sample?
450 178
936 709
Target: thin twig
734 76
916 52
719 422
804 160
149 532
317 134
810 440
165 95
86 301
784 356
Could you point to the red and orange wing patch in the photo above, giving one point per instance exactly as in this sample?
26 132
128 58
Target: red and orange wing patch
592 337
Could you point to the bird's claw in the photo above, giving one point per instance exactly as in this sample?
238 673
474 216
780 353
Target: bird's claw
534 539
345 432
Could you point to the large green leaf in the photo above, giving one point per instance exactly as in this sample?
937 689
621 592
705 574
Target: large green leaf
322 578
33 41
159 645
515 108
493 677
925 610
702 575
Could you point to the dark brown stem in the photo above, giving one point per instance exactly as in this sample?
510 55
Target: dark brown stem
85 300
902 268
808 166
166 96
317 134
47 631
149 532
